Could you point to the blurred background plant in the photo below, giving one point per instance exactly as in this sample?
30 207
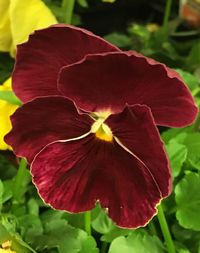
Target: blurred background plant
167 31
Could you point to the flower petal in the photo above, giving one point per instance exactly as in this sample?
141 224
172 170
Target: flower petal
6 110
39 60
74 175
43 121
5 31
136 130
24 15
109 81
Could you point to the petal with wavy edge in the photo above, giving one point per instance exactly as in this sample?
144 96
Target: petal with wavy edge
39 61
109 81
42 121
74 175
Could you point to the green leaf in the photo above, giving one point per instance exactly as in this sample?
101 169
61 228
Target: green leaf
1 194
58 234
21 182
102 223
7 193
192 142
108 1
118 39
105 226
114 233
17 243
188 201
186 237
137 242
184 251
83 3
30 226
9 97
33 207
51 214
140 31
177 155
6 66
193 59
7 170
175 133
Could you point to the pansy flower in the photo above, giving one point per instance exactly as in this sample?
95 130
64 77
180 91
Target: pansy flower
88 123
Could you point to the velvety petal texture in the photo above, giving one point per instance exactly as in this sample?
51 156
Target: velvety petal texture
88 125
109 81
46 52
83 172
136 130
42 121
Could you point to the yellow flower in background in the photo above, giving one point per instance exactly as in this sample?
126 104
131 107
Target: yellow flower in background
108 1
6 247
19 18
7 251
152 27
6 110
5 32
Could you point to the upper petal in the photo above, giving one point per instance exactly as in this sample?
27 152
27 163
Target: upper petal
74 175
136 130
38 61
109 81
42 121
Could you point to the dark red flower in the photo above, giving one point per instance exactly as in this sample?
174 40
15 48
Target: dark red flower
88 125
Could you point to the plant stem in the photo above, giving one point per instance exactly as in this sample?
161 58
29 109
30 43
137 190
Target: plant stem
21 174
68 7
165 230
166 16
87 217
104 247
152 228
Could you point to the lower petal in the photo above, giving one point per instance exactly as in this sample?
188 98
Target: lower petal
74 175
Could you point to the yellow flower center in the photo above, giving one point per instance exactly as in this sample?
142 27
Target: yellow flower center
100 129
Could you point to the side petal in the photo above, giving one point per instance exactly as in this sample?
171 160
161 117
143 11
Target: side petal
135 129
39 61
74 175
42 121
29 17
109 81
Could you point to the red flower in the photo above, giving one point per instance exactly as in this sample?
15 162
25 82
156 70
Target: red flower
88 125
